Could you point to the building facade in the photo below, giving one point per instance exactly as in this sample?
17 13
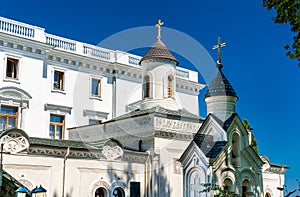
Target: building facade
82 120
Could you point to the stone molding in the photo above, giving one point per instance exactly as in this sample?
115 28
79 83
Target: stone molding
53 107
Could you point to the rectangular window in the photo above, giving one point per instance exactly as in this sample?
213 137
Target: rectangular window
135 189
12 68
8 117
93 121
58 80
56 130
96 87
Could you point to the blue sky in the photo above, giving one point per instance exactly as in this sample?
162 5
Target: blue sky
266 81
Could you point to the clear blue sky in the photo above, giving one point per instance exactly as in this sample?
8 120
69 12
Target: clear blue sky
266 81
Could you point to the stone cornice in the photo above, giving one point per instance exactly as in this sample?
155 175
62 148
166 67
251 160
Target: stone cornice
94 154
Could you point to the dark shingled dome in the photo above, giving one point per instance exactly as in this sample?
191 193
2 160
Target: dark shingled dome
159 50
220 86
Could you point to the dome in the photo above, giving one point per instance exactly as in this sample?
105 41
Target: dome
159 50
220 86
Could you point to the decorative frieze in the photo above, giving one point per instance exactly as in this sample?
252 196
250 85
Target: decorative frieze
175 125
173 135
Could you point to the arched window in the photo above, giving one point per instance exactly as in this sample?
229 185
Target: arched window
246 188
268 194
228 185
100 192
146 86
235 153
170 86
118 192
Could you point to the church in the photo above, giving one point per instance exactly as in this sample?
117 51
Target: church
84 121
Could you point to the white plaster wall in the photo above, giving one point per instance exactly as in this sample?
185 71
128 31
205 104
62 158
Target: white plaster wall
170 150
189 102
271 182
81 174
127 93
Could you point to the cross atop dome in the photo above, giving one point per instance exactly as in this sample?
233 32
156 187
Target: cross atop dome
219 46
158 25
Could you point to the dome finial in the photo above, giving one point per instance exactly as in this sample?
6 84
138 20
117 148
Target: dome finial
159 23
218 46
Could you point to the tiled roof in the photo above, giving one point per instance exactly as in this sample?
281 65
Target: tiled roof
226 123
208 146
159 50
159 110
220 86
58 143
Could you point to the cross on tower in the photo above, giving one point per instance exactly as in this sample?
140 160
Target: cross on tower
160 23
218 46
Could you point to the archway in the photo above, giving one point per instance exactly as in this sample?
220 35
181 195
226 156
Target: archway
101 192
118 192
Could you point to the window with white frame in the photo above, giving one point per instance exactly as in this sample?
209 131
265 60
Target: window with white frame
95 87
8 117
12 68
58 80
56 128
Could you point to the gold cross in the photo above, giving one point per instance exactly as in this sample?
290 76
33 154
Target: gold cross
160 23
218 46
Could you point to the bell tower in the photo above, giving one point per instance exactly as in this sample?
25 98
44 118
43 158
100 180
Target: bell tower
159 76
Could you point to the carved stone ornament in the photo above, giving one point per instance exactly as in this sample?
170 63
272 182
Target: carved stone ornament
14 143
112 152
177 167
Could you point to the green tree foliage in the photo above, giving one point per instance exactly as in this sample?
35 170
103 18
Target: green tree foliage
253 144
288 11
217 190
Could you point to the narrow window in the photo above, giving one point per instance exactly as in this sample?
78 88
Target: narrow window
96 87
140 145
12 68
8 117
58 81
170 86
56 130
146 86
235 149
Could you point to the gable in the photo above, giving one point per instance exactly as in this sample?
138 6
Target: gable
212 127
193 154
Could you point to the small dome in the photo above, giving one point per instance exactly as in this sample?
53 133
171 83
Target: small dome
220 86
159 50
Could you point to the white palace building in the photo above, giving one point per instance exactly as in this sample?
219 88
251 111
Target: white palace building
85 121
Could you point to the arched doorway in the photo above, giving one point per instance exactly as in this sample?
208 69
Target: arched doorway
246 188
118 192
101 192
